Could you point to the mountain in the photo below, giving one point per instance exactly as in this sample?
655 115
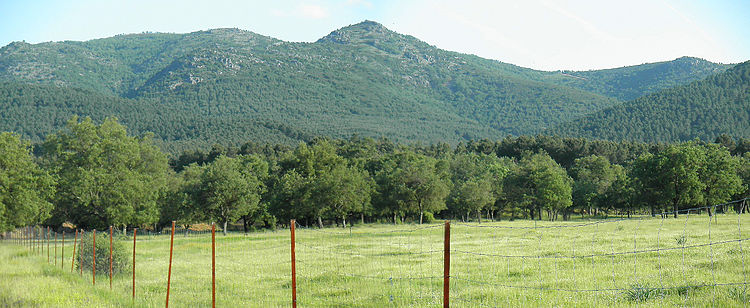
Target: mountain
631 82
704 109
230 86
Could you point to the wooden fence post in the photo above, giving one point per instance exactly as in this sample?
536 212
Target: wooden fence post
446 264
169 274
294 267
62 252
55 248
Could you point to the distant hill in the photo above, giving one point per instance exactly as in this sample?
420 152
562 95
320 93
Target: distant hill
704 109
231 85
631 82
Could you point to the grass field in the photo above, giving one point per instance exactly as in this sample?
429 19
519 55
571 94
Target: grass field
616 262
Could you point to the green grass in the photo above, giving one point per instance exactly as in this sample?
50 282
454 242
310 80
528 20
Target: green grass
402 266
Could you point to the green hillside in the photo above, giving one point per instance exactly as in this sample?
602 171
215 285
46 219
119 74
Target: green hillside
703 109
229 86
631 82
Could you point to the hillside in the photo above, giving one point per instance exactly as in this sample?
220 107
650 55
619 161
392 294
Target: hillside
231 85
704 109
631 82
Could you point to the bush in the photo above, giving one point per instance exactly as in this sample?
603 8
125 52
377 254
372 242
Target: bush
642 293
428 217
119 254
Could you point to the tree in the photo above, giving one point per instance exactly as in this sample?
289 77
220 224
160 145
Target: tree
178 203
412 183
538 183
341 191
620 194
719 175
475 195
593 175
105 177
228 190
24 187
420 185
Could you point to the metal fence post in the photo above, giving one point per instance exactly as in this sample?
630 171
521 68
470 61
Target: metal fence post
446 264
294 267
213 264
93 263
135 232
169 274
110 257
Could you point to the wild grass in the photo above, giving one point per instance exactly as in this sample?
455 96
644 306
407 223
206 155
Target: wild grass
615 262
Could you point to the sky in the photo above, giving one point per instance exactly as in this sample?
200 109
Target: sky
540 34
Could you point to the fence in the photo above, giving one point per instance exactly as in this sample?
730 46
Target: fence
694 260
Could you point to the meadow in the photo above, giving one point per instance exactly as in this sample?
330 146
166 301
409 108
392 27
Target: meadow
693 260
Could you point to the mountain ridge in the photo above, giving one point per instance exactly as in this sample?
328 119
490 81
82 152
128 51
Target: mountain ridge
362 78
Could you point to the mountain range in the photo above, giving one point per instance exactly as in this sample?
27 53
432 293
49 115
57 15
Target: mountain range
230 86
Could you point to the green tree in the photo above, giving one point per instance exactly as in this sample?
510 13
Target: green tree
24 187
420 185
342 191
538 183
228 190
105 177
720 175
475 195
593 175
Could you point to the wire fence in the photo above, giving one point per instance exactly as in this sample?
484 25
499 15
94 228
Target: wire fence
697 259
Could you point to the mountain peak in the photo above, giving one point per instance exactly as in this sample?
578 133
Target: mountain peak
359 32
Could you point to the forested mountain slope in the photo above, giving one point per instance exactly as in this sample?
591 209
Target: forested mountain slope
229 85
704 109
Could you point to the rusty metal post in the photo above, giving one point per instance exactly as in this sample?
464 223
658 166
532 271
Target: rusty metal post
110 257
446 264
294 267
46 237
93 263
213 265
80 254
169 274
75 243
135 232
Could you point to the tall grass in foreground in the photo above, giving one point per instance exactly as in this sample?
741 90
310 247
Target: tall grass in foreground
642 261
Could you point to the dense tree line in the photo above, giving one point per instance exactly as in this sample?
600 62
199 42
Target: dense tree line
705 109
96 175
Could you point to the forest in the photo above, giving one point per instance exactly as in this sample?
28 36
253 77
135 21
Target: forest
94 175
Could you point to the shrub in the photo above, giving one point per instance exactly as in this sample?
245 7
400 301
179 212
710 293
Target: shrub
428 217
119 254
642 293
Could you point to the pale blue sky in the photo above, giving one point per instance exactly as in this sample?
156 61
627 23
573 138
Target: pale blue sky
542 34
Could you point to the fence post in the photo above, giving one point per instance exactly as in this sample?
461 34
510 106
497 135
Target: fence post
213 264
294 268
80 254
46 236
62 252
93 264
446 264
55 249
135 232
169 274
75 243
110 257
